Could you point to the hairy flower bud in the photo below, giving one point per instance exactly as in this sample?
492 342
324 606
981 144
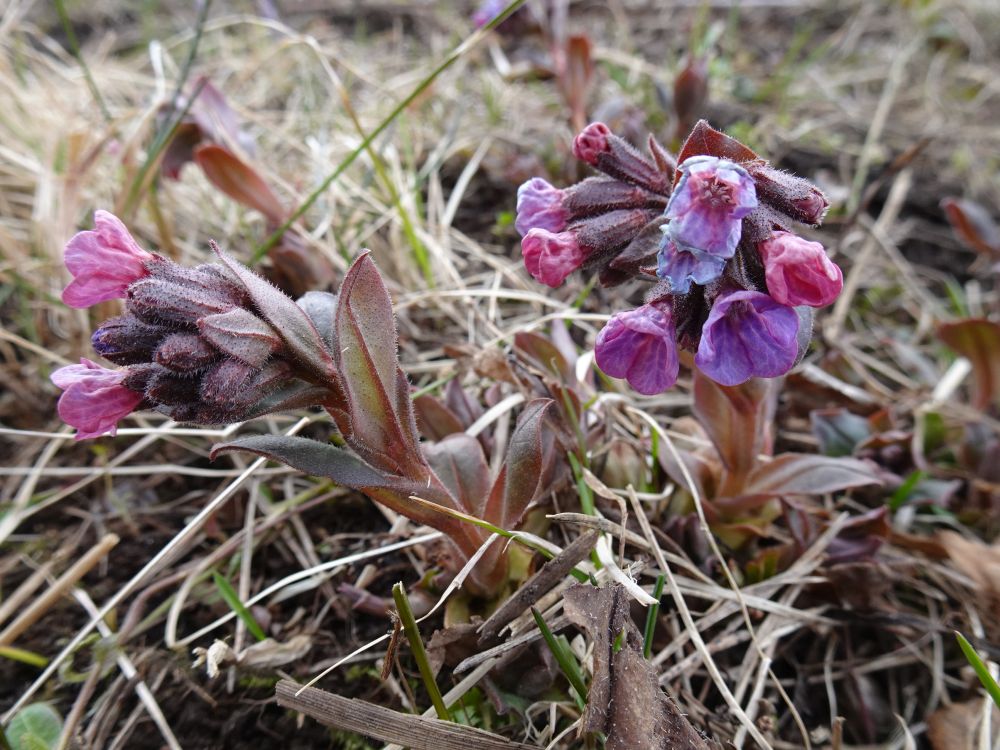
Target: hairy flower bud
793 196
126 340
798 271
549 257
240 334
157 301
639 345
185 353
600 148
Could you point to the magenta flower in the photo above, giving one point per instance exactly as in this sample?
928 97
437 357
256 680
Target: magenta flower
104 262
93 398
682 266
550 257
487 11
639 345
707 207
539 206
747 334
798 272
591 142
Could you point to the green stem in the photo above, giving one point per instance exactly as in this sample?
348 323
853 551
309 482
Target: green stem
74 46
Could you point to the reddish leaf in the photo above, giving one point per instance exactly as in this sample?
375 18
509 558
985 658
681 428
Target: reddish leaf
460 465
690 93
737 420
973 226
704 139
239 181
978 341
544 355
517 483
807 474
576 77
436 421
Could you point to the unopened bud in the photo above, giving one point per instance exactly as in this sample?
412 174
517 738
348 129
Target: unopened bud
240 334
597 195
126 340
793 196
614 156
155 300
224 386
185 353
168 388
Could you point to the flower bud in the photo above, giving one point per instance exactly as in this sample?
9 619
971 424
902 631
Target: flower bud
597 195
600 148
798 272
171 389
158 301
185 353
94 399
747 334
223 387
791 195
126 340
240 334
639 346
549 257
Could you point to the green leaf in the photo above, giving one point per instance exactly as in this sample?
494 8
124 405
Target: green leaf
982 671
517 483
564 658
231 598
35 727
807 474
838 431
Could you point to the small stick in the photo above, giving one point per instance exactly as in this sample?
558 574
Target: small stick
63 584
537 586
386 725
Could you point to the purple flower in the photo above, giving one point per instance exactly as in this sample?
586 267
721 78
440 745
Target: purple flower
747 334
104 262
549 257
93 398
707 206
487 11
638 345
798 272
681 266
539 206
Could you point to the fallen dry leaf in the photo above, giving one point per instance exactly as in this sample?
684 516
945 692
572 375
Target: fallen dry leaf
625 701
981 563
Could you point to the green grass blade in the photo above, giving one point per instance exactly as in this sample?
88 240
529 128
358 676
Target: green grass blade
233 600
564 658
982 671
418 650
651 615
24 656
74 47
261 250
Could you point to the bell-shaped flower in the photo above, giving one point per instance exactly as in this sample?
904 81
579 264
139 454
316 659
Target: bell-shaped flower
94 398
798 272
707 207
539 206
551 257
639 346
104 262
747 334
681 266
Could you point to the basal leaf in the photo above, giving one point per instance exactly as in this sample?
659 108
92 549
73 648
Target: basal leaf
544 355
973 226
807 474
977 340
517 483
459 463
239 181
838 431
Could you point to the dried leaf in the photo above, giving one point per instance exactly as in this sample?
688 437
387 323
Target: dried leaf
977 340
957 726
625 701
973 226
239 181
543 354
981 563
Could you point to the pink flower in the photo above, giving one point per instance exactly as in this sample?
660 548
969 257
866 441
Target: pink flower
549 257
747 334
707 207
104 262
539 206
639 345
798 272
591 142
93 399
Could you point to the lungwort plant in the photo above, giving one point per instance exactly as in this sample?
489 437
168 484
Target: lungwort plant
217 344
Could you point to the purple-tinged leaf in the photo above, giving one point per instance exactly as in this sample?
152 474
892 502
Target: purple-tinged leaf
435 420
518 481
978 341
807 474
459 463
287 318
705 140
321 309
544 355
467 410
239 181
377 393
737 420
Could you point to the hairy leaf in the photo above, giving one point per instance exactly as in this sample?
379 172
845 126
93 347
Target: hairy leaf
436 421
977 340
807 474
239 181
517 483
459 463
705 140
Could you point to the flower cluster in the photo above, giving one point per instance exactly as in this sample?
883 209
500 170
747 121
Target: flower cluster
712 228
190 341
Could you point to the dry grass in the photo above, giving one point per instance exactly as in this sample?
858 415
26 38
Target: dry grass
836 91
